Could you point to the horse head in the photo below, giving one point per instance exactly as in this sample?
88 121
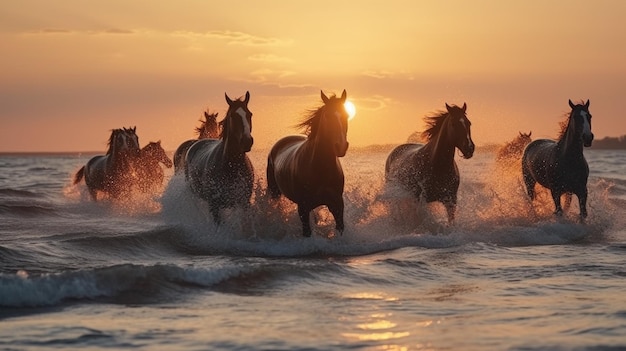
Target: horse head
582 122
237 125
131 141
459 129
208 128
154 151
124 142
332 126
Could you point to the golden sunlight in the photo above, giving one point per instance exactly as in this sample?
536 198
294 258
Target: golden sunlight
350 108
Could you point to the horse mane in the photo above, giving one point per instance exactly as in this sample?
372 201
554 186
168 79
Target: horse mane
110 142
434 124
310 118
564 122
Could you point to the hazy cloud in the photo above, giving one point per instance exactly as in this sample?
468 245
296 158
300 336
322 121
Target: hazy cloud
235 38
59 31
269 58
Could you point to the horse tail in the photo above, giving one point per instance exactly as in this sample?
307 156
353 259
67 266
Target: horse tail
79 175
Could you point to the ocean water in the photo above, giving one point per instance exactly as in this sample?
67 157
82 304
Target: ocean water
154 273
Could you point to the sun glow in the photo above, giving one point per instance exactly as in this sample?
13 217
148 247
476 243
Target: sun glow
350 108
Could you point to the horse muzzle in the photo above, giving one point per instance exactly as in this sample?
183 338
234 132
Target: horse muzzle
341 149
246 144
587 140
468 150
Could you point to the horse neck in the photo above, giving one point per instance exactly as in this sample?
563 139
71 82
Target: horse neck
441 150
231 150
149 157
569 145
119 160
317 152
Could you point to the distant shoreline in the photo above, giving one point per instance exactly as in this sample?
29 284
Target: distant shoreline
607 143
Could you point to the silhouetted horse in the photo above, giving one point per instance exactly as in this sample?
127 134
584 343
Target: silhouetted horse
560 165
147 168
208 129
306 169
219 171
513 150
429 171
112 173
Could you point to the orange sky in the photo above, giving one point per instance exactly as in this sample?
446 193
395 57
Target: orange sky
70 71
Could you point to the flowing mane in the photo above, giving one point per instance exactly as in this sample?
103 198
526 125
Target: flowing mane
434 124
114 132
309 121
564 122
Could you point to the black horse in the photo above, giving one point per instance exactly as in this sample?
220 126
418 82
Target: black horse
306 169
219 170
208 129
112 173
560 165
429 171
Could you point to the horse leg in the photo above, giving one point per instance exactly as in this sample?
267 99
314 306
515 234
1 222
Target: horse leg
215 212
530 182
450 210
94 194
336 208
582 203
567 202
272 186
556 197
303 212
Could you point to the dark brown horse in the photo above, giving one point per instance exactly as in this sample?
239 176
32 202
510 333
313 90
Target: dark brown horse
112 173
219 171
429 171
560 165
513 149
306 169
147 166
208 129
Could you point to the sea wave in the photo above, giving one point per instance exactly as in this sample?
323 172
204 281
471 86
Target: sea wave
25 290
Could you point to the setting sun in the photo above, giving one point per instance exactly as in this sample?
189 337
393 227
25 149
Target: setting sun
350 108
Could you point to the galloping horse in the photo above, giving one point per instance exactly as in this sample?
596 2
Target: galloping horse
219 171
112 173
513 150
147 168
429 171
306 169
208 129
560 165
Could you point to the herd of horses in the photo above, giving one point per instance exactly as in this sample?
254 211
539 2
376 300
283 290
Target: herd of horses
306 168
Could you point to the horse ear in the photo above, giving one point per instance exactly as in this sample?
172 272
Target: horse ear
587 104
228 100
344 95
247 97
324 98
521 134
464 107
571 104
448 107
530 133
